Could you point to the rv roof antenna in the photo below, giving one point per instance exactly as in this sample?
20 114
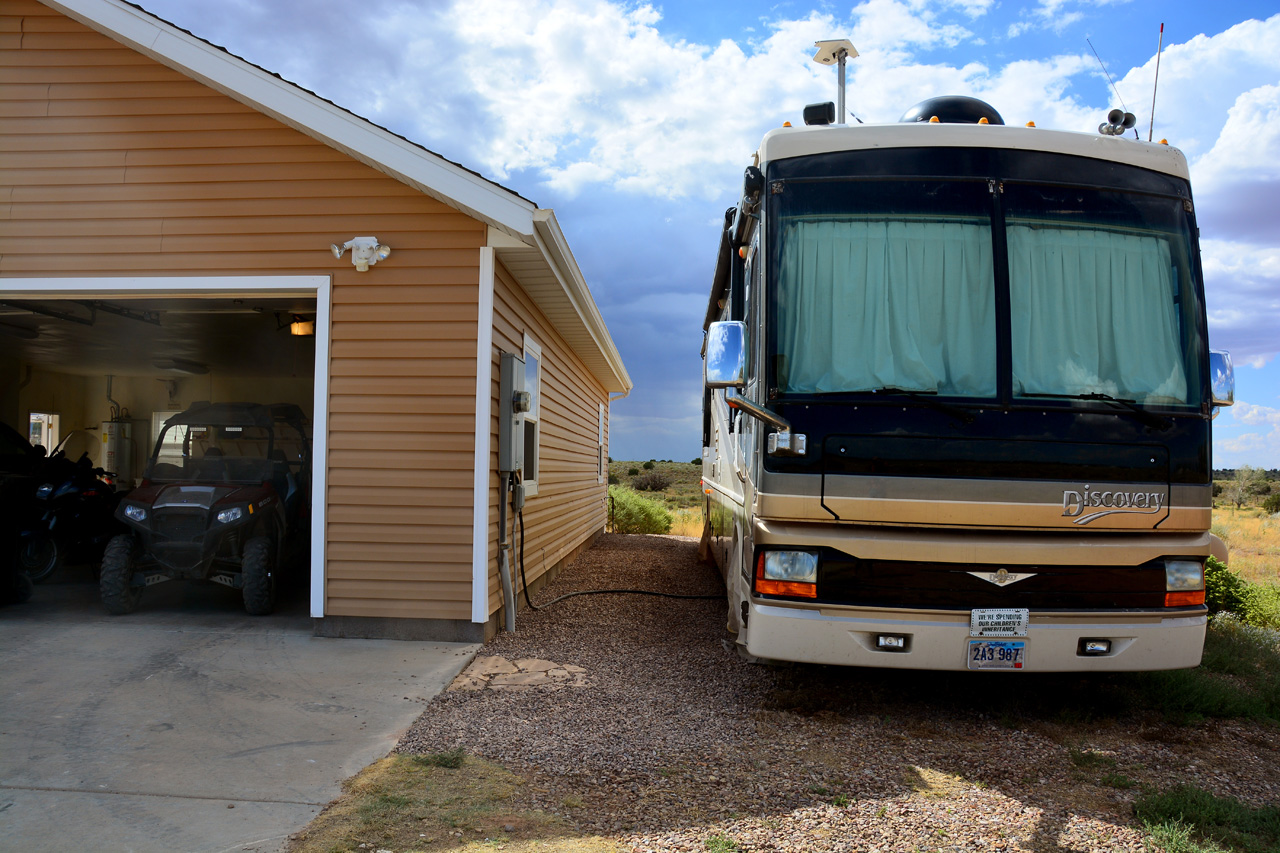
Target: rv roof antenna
1109 80
836 51
1159 49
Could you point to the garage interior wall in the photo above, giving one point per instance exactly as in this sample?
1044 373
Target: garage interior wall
570 507
81 401
115 165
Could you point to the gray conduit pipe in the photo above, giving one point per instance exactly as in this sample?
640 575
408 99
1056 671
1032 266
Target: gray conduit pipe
504 562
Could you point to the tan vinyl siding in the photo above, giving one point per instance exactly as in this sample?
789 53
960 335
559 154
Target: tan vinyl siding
112 164
570 505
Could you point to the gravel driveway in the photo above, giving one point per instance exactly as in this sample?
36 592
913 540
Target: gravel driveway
667 741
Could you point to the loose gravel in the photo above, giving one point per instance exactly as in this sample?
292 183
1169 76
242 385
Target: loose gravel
669 741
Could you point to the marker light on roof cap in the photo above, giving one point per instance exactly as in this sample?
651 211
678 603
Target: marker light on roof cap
934 120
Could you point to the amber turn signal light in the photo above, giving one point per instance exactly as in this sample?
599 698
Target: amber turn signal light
1190 598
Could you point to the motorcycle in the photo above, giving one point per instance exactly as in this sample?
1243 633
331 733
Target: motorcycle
76 508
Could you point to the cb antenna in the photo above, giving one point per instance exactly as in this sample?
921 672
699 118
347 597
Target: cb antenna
1108 73
1156 85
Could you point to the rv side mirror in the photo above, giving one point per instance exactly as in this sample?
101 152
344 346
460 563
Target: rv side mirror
1222 378
725 364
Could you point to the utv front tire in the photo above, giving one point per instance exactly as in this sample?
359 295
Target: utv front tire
115 581
258 571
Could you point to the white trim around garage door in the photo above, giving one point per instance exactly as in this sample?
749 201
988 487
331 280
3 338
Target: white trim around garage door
195 286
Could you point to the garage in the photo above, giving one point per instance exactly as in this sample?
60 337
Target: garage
178 225
95 372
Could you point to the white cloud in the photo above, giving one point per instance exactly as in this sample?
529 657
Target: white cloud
1054 15
1254 415
1249 442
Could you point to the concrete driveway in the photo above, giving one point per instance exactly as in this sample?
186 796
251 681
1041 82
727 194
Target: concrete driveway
189 726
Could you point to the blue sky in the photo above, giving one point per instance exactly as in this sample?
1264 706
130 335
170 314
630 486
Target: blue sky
634 122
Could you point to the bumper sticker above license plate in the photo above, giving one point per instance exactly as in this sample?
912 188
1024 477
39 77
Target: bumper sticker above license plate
998 622
997 654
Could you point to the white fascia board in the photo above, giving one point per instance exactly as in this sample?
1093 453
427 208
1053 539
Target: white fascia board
555 248
784 142
307 113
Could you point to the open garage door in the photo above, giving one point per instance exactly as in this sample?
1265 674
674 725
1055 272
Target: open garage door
97 367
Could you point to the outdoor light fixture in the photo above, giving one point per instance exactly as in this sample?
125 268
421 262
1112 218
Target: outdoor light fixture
365 251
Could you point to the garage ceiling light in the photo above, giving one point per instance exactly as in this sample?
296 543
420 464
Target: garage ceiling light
365 251
181 365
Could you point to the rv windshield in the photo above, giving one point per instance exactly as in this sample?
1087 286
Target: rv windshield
885 284
1101 295
892 284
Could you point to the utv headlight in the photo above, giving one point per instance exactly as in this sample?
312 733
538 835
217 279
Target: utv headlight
135 513
44 491
229 515
793 573
1183 583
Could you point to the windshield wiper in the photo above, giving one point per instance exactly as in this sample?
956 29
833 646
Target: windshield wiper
1149 418
926 398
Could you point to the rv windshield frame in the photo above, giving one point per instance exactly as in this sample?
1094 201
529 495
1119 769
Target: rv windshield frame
851 186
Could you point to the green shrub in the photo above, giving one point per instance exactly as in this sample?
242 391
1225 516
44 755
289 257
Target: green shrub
697 461
1272 503
634 513
651 482
648 466
631 472
1224 590
613 479
1227 592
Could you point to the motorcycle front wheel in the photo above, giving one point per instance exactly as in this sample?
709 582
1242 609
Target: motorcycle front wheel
39 556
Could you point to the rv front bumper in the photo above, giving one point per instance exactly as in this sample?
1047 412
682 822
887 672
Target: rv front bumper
1055 642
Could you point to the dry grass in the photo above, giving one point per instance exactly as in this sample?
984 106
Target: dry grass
412 803
1254 539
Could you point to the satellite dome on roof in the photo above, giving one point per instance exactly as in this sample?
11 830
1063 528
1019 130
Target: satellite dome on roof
953 109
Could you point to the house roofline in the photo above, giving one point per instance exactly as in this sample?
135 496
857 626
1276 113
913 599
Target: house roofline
395 156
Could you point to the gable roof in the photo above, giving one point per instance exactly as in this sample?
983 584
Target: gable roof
528 238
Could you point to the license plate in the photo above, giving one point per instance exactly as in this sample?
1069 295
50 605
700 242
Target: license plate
998 622
997 654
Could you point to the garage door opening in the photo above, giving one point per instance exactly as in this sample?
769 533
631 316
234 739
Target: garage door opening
97 368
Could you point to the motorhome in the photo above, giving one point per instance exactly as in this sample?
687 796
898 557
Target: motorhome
958 395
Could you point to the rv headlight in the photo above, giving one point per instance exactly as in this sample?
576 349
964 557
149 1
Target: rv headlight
795 566
1183 583
1183 575
229 515
790 573
135 513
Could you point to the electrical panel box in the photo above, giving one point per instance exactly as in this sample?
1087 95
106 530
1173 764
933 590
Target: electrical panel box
513 402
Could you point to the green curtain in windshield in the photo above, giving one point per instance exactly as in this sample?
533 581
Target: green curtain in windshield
873 303
1089 303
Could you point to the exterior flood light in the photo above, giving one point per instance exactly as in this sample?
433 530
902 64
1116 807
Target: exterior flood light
365 251
1095 647
891 643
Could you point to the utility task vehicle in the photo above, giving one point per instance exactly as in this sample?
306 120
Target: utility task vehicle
958 398
224 498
